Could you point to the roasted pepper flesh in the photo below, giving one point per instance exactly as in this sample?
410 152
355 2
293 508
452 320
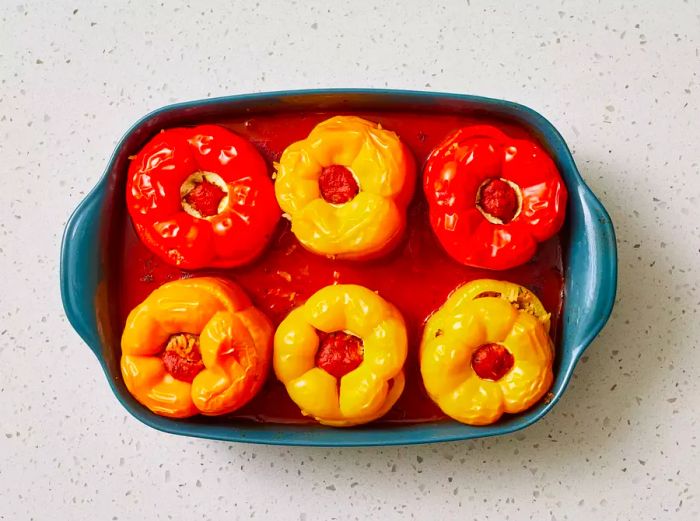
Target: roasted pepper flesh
346 187
482 356
354 395
194 346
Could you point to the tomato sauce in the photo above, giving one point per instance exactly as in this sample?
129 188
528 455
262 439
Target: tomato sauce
416 277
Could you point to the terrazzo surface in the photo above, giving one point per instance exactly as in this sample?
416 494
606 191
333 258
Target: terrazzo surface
618 79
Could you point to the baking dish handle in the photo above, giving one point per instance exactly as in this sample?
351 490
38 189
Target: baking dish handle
80 270
594 252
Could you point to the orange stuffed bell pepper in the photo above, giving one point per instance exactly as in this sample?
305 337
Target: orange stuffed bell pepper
341 355
346 187
195 346
487 351
201 197
492 198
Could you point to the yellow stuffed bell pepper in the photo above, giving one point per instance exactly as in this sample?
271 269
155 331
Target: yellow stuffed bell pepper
196 346
487 351
341 355
346 187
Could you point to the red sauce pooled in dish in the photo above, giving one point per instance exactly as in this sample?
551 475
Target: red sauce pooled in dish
416 277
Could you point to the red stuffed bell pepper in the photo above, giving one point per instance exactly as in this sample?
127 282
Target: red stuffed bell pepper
492 198
202 197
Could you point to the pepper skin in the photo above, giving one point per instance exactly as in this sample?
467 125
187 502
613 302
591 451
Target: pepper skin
202 197
234 341
517 295
366 392
471 329
346 188
492 198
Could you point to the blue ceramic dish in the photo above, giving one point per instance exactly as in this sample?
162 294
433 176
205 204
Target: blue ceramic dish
590 262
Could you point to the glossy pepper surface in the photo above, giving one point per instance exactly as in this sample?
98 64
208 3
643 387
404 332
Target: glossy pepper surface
486 352
346 187
492 198
201 197
195 346
367 391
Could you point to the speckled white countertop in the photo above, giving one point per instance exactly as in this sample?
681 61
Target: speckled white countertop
620 82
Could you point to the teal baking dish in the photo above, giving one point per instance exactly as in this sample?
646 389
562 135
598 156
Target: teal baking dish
590 262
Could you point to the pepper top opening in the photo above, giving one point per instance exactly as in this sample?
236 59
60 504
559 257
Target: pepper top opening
338 184
492 361
339 352
204 195
499 200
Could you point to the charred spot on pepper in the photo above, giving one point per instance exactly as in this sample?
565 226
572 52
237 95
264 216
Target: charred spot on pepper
492 361
181 356
339 352
499 200
338 184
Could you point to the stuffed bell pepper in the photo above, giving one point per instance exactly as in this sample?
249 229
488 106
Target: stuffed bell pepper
196 346
341 355
346 187
492 198
487 351
201 197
